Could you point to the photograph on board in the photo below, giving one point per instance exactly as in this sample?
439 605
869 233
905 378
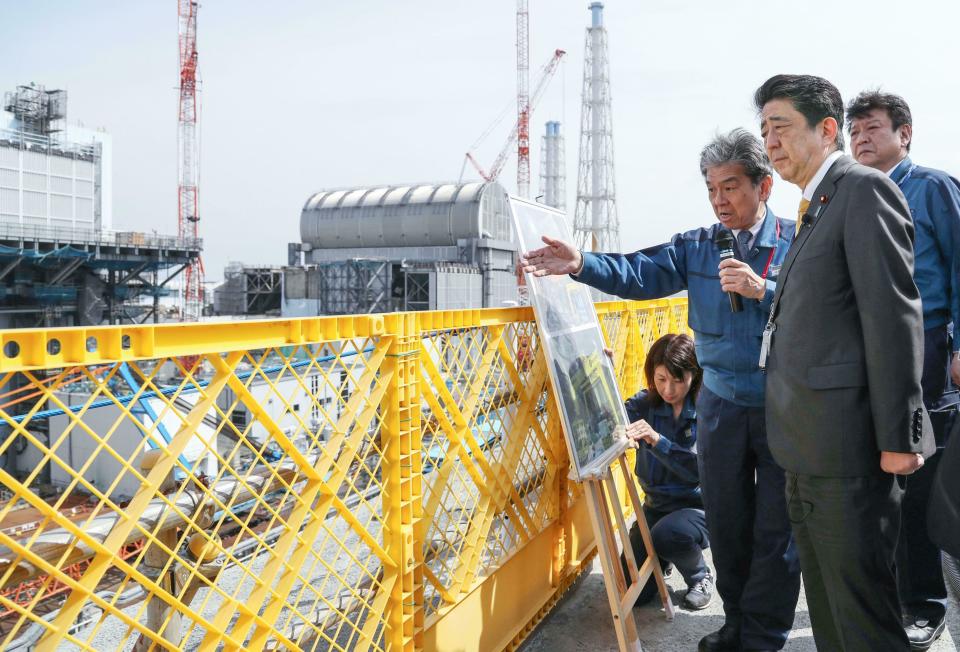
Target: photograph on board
583 376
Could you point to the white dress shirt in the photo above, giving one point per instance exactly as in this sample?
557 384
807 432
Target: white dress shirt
821 173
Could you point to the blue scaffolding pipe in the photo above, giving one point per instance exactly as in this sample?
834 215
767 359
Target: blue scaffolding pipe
127 375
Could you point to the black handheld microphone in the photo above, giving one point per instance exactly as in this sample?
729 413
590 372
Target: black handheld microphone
724 242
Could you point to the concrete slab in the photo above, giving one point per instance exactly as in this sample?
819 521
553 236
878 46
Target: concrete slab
581 623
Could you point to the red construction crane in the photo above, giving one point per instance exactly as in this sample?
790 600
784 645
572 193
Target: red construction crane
191 307
545 75
523 99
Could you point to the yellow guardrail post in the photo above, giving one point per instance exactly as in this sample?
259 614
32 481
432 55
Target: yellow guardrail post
162 618
402 489
632 355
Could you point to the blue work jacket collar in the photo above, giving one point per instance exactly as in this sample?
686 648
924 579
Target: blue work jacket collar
903 168
767 237
666 410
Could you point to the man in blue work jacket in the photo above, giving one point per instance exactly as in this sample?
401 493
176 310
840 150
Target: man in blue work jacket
881 131
758 573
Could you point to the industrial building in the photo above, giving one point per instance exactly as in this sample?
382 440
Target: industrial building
61 262
426 246
248 290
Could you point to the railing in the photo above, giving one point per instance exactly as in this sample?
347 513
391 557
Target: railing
371 482
63 235
48 143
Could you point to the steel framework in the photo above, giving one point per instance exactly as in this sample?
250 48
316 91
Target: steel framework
188 220
595 224
523 99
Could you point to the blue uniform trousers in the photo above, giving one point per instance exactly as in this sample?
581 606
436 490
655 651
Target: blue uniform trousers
758 571
919 573
679 537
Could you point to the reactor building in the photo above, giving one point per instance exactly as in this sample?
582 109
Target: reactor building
430 246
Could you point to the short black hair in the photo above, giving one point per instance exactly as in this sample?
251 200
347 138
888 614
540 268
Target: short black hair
814 97
895 106
678 354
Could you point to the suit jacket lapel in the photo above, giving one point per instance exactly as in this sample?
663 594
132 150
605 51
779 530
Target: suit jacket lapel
821 197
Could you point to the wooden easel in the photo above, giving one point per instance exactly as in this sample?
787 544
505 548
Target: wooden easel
601 491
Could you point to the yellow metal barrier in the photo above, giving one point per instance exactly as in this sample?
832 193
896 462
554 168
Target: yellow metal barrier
349 483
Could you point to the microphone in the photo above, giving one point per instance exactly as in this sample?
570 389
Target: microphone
724 241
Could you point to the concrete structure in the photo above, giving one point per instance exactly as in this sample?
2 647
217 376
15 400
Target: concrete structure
61 264
595 224
553 186
408 247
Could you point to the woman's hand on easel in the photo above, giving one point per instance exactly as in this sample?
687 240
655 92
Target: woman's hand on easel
641 431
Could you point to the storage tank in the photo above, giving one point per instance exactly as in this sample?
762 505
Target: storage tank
420 215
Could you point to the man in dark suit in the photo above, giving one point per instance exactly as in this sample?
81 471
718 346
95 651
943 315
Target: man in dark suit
845 410
881 131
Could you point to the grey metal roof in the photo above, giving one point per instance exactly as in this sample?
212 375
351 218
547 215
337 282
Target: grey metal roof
426 214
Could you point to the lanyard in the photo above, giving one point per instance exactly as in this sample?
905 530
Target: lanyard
906 176
773 252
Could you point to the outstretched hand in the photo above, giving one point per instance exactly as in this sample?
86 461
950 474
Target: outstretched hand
558 257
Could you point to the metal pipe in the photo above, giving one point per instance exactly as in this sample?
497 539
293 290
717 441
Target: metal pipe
51 545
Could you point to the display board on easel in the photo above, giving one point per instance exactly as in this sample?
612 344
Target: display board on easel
592 415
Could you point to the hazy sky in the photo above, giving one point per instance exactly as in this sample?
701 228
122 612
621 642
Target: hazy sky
299 95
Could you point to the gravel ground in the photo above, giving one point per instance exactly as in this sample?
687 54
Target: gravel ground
582 622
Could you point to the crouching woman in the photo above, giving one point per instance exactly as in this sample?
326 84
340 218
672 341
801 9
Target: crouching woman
664 424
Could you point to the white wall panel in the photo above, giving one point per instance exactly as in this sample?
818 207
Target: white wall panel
10 201
63 185
62 166
83 170
61 206
35 203
84 210
34 181
9 178
10 157
34 161
26 178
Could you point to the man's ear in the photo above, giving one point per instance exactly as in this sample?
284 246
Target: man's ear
830 128
906 135
766 186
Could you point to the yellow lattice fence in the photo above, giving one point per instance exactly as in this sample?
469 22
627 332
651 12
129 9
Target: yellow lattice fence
342 483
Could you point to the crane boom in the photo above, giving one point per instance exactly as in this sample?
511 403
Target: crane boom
523 99
546 74
188 193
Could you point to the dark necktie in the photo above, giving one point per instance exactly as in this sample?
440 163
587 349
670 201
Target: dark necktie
743 241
